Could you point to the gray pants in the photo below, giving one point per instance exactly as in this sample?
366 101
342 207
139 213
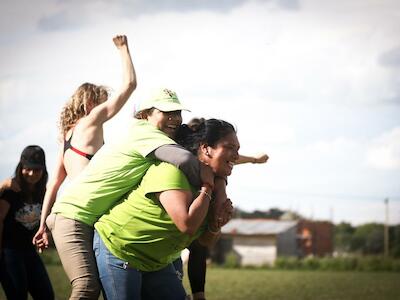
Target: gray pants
74 243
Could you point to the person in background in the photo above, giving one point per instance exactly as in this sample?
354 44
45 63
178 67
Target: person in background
197 261
81 133
21 269
138 240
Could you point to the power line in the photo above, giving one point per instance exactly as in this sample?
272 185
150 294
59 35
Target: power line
334 196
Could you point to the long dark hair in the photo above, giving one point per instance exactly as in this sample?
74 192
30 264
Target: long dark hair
202 131
39 188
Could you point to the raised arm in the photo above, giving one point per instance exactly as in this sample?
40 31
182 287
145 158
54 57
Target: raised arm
105 111
41 239
257 159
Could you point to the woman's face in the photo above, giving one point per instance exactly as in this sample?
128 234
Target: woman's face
223 155
167 122
32 176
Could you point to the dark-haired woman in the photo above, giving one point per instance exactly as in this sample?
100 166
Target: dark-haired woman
198 254
137 241
21 269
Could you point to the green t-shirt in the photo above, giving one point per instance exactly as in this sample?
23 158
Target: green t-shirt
113 171
139 230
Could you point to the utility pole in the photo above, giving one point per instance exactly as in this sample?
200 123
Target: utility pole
386 228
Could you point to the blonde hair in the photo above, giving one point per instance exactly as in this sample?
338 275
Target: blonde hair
77 106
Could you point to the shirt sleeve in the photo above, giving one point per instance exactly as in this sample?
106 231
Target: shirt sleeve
182 159
163 176
7 196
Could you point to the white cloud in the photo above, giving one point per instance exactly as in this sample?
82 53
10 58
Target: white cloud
308 83
384 151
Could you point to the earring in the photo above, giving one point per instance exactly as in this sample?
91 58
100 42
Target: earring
207 154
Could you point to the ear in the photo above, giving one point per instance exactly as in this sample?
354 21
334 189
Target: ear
205 150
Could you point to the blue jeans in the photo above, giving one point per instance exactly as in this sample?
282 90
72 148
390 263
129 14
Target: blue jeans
178 265
120 281
22 271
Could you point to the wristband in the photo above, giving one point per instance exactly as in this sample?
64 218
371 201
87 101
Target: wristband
207 194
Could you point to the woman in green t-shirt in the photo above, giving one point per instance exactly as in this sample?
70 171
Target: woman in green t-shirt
139 238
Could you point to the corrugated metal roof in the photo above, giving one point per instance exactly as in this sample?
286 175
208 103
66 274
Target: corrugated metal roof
256 226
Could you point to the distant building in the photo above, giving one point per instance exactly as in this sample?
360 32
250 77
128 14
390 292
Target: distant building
261 241
315 238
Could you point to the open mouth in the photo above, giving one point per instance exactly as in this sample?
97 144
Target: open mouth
172 127
230 164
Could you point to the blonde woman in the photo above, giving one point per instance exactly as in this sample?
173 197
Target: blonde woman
81 130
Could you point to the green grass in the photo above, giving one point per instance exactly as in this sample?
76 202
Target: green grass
286 285
273 284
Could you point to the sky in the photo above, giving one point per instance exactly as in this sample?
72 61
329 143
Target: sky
314 84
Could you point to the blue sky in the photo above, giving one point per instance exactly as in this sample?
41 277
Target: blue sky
315 84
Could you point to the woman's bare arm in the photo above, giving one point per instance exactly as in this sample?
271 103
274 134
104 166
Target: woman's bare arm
187 215
105 111
41 239
257 159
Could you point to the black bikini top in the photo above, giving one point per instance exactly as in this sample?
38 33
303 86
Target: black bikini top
67 145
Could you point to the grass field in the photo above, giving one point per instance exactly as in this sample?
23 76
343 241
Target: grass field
287 285
231 284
